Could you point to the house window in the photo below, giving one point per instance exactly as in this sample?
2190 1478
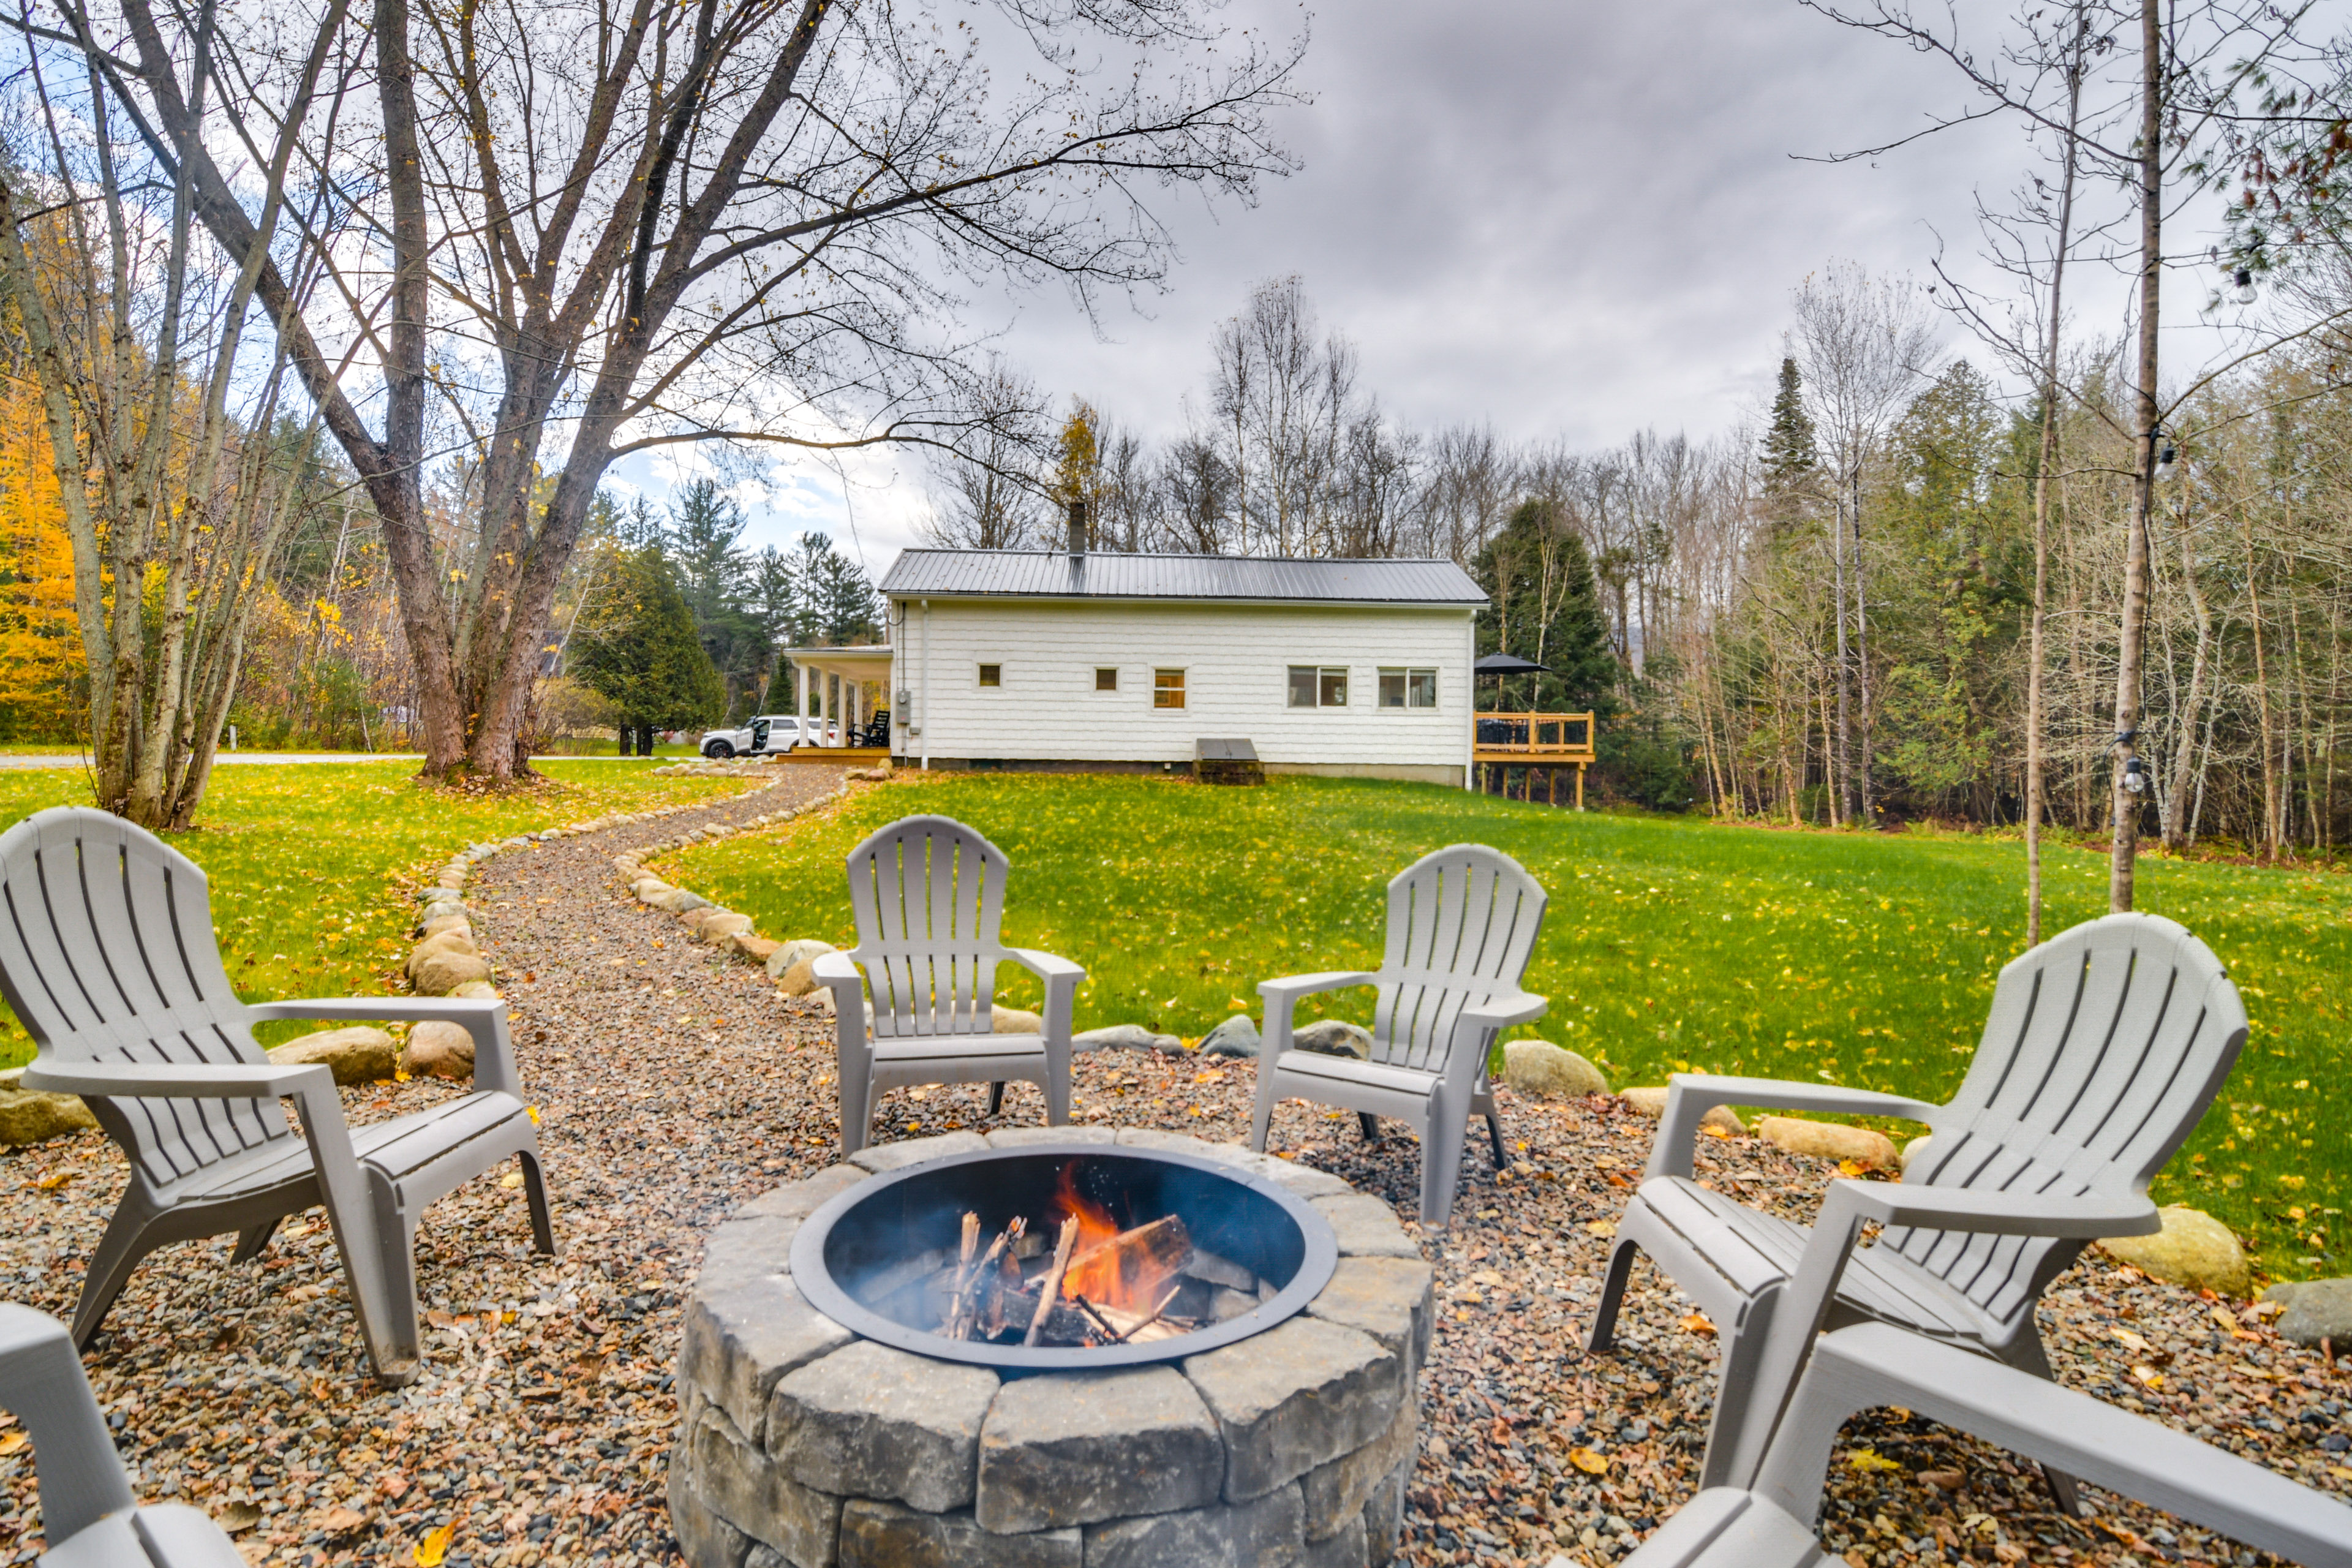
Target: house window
1168 688
1408 689
1107 680
992 675
1318 686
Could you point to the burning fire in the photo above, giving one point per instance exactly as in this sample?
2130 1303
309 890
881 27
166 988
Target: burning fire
1129 1276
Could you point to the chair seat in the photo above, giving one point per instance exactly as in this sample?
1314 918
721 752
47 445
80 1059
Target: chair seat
1752 1251
1354 1069
396 1146
956 1048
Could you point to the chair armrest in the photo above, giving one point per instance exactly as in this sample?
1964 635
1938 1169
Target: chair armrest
1500 1012
42 1381
180 1080
1061 978
2085 1218
485 1019
1876 1364
1690 1095
835 970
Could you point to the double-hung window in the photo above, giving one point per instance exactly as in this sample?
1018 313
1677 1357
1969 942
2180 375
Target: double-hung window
1318 686
1408 688
1168 688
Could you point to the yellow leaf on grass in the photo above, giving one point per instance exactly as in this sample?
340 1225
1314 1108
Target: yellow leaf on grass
1590 1463
1601 1226
1871 1459
436 1546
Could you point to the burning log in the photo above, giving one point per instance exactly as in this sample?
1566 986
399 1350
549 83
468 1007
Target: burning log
983 1282
1133 1265
1050 1288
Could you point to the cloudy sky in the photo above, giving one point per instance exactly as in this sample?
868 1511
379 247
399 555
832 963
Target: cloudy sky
1570 220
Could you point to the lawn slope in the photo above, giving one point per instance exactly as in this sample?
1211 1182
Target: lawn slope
1672 943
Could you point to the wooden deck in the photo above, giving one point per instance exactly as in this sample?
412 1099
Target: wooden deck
839 756
1534 740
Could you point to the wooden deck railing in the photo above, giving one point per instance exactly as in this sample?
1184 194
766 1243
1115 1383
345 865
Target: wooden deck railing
1534 738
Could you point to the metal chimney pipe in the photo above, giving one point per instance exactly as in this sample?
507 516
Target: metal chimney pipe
1079 527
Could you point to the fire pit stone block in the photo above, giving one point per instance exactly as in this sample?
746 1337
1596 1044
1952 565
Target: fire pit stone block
1305 1181
740 1337
740 1483
1016 1137
1366 1225
1080 1448
1298 1396
704 1538
1387 1297
1266 1532
872 1420
880 1157
885 1535
1336 1492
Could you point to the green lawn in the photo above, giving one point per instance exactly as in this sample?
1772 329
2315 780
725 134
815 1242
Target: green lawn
303 858
1672 943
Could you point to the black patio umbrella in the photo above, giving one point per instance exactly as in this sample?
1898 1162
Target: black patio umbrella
1499 665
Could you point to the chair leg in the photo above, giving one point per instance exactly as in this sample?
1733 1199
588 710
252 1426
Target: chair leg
2026 1354
1744 1344
119 1252
387 1319
1612 1296
1495 1136
1369 1125
855 1094
1441 1162
534 1188
995 1098
252 1239
1058 1097
1262 1115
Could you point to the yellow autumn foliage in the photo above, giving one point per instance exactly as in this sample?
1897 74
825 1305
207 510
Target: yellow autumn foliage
42 665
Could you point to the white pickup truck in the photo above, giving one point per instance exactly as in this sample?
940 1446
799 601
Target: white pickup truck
764 736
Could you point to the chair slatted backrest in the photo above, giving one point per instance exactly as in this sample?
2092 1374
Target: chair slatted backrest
107 953
1463 922
928 893
2101 1052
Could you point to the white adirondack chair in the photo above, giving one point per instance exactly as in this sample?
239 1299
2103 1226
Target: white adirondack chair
2102 1049
1771 1524
109 958
1462 922
88 1512
928 895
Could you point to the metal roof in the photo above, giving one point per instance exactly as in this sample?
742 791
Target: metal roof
1057 575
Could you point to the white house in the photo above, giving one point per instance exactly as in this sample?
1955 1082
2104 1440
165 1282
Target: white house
1033 658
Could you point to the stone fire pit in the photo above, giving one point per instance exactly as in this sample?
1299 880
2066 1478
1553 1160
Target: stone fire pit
801 1443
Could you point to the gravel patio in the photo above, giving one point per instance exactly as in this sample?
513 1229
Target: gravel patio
674 1083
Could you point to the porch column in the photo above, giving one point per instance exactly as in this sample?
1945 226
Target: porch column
802 712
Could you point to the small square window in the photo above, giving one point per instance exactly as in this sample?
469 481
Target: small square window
1318 686
992 675
1408 689
1168 688
1107 680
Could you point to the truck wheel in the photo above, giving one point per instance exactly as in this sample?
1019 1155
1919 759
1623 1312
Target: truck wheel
720 750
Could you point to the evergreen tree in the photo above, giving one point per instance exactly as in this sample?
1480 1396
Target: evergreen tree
636 647
1790 460
714 575
1543 605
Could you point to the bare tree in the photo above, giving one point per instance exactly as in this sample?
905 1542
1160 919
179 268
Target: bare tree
985 486
597 231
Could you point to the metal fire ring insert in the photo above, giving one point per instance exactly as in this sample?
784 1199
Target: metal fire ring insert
893 1216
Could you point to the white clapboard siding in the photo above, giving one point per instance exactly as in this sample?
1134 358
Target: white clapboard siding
1235 658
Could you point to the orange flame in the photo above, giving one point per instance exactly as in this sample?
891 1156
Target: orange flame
1126 1279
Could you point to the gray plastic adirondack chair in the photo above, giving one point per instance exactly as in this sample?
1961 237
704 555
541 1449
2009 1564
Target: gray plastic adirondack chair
2102 1051
1462 924
88 1512
107 954
1772 1525
928 895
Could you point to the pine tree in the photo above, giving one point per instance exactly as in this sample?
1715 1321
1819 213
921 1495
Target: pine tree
1789 459
1544 605
637 648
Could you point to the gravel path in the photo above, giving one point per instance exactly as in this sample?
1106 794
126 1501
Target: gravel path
673 1083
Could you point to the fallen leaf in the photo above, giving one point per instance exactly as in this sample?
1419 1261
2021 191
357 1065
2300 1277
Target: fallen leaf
2149 1376
1212 1076
1712 1130
237 1516
1600 1226
2131 1340
2225 1318
1590 1463
511 1179
342 1520
1871 1459
52 1182
435 1546
1853 1168
392 1486
1943 1480
1697 1323
12 1442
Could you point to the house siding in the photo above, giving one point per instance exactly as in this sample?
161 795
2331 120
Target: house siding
1235 659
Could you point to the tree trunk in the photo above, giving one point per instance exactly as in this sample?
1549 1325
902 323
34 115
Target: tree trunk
2125 843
